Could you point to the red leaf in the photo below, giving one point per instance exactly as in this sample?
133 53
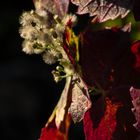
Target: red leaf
106 60
107 125
105 54
51 132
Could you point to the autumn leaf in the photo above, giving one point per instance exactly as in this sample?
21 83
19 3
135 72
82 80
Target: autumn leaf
51 132
71 45
107 62
104 9
106 126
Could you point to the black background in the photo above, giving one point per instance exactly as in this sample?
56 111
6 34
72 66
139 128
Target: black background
28 93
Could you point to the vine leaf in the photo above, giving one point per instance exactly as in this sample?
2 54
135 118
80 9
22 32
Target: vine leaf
107 125
113 72
104 9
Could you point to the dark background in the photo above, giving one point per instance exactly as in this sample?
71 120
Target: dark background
28 93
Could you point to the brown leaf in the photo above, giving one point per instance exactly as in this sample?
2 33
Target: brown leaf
104 9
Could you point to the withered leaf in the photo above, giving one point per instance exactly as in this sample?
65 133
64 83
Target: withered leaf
61 108
135 94
80 101
62 104
104 9
59 7
62 7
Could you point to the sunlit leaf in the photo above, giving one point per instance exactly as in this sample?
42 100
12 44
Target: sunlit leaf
104 9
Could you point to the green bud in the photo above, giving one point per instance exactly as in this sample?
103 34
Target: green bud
59 68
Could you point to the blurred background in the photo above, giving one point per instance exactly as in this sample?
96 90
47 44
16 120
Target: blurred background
28 93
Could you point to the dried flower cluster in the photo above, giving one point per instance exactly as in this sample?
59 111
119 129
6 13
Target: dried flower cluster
43 34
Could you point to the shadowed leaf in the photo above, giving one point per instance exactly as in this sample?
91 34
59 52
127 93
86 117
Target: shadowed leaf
107 62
